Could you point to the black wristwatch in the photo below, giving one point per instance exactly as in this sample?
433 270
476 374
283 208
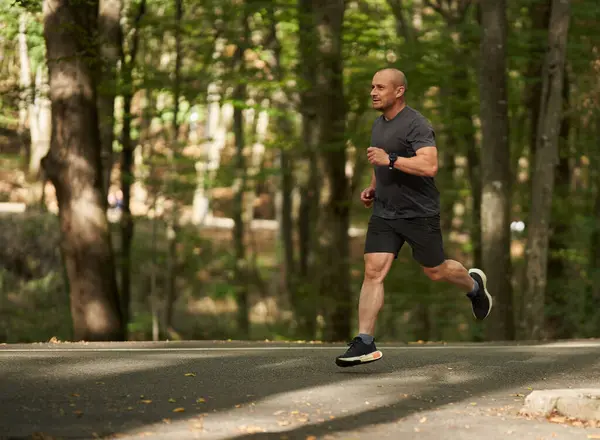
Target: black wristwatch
393 157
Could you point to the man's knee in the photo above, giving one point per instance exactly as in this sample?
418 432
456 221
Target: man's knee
438 273
377 265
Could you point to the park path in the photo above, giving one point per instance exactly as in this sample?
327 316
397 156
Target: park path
244 390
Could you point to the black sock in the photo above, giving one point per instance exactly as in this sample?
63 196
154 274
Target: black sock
367 339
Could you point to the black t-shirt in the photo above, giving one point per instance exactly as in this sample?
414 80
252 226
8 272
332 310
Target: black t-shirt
399 194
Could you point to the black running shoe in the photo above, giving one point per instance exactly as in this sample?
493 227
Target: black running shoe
358 353
481 300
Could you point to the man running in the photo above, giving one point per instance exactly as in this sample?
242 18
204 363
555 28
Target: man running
406 208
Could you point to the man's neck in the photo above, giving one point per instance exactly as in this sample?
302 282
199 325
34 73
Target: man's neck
393 111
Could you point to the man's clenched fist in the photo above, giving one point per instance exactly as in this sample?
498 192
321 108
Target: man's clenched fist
367 196
377 156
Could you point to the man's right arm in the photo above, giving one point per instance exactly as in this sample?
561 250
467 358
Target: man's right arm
373 181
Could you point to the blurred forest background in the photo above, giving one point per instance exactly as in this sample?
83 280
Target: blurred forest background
191 169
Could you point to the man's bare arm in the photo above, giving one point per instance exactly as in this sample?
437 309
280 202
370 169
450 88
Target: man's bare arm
425 163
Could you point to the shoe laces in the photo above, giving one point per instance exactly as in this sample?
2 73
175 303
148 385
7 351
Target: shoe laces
354 341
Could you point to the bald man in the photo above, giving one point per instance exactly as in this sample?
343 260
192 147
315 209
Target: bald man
405 209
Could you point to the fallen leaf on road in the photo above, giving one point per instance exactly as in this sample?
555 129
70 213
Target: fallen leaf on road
311 437
251 429
190 374
283 422
146 401
200 400
278 413
596 436
172 400
78 413
75 395
179 410
423 420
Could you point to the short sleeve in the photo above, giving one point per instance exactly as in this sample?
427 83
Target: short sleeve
421 134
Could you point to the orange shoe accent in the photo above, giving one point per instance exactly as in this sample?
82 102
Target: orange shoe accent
377 355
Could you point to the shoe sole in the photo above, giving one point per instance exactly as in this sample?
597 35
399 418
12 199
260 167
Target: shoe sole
484 278
358 360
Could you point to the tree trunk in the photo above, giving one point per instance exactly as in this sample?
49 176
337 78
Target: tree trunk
73 165
285 131
109 30
40 121
593 290
304 298
546 159
539 14
25 100
336 267
559 324
172 226
256 159
495 168
240 223
127 161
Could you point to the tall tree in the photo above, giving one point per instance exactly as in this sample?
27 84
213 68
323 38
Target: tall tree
308 178
109 31
73 166
285 132
546 159
495 167
172 226
240 223
128 61
332 116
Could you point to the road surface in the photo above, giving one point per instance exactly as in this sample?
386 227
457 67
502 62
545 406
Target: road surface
243 391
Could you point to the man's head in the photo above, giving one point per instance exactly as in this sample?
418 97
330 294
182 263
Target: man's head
387 89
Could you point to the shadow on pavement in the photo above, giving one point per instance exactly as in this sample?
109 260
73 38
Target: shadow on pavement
86 394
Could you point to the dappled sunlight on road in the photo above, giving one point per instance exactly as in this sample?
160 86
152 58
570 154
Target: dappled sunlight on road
305 407
246 391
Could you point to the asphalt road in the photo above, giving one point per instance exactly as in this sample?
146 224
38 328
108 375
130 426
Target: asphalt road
243 391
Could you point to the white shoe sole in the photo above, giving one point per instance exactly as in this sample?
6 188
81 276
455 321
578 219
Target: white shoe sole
357 360
484 278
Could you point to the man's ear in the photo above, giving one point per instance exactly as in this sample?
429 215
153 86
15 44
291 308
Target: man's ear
400 91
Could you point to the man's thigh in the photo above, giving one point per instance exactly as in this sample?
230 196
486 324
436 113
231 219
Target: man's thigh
382 236
424 235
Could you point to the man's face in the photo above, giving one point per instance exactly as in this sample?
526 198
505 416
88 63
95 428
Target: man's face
384 92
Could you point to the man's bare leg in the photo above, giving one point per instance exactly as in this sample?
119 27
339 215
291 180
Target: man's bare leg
455 273
362 348
452 272
377 266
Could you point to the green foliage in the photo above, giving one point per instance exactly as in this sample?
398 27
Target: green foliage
441 61
34 304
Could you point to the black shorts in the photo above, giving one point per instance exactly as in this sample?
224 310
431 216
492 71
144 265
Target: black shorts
423 234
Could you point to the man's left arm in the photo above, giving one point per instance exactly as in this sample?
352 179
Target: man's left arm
425 163
421 138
